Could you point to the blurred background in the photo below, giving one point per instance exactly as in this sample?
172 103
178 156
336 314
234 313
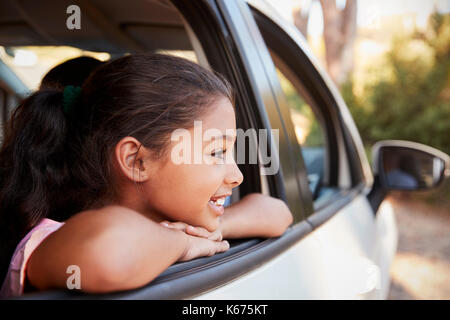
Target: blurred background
391 62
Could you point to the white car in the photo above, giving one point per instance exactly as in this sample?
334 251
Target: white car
343 238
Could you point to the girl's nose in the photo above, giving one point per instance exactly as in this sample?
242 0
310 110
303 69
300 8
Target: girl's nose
234 176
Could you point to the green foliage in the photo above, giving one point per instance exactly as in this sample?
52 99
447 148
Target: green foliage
315 134
413 103
315 137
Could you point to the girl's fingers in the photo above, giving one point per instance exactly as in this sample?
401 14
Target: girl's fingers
164 223
224 246
193 231
197 231
200 247
216 236
175 225
203 233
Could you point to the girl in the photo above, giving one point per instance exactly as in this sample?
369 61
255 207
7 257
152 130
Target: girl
99 159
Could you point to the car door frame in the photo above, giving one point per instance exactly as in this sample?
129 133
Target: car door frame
353 205
333 108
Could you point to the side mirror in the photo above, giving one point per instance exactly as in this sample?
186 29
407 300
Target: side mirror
405 165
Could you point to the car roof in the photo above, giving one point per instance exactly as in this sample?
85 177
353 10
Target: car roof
115 26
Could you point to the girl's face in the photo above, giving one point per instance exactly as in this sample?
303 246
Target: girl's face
191 187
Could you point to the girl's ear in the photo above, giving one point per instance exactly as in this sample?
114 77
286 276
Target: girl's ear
130 155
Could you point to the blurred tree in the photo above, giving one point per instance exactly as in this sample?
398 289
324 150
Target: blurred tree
413 102
339 33
300 13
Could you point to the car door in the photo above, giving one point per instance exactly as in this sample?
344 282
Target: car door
357 242
349 252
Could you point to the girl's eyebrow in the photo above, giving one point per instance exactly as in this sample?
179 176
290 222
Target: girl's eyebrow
224 136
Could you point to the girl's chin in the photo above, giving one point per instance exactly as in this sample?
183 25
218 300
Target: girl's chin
211 221
212 226
218 210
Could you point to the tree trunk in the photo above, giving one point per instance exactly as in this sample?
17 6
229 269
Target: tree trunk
339 34
300 14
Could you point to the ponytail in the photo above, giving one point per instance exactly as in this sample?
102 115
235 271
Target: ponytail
32 164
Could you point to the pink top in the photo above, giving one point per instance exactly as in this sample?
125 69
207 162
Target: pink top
14 282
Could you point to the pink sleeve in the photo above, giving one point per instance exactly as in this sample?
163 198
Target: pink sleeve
15 278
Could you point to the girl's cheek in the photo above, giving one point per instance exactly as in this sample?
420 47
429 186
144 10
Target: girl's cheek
212 178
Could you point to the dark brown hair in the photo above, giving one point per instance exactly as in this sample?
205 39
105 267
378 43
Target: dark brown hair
71 72
55 164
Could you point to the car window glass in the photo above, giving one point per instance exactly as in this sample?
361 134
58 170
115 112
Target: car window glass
31 63
304 113
309 132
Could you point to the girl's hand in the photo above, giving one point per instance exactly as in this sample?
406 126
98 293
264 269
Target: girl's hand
200 247
194 231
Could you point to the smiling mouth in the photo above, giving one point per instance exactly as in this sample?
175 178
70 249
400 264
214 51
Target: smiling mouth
216 203
219 200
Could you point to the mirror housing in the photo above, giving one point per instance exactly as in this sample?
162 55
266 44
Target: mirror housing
409 166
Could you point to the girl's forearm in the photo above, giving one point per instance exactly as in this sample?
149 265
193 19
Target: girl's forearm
256 215
114 248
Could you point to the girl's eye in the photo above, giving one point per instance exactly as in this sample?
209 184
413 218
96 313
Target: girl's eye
218 153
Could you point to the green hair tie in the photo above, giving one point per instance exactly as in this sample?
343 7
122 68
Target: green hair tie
70 96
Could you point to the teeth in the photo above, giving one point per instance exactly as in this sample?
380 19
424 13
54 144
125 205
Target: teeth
218 202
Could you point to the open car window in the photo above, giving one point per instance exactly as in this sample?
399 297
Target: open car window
311 114
308 126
